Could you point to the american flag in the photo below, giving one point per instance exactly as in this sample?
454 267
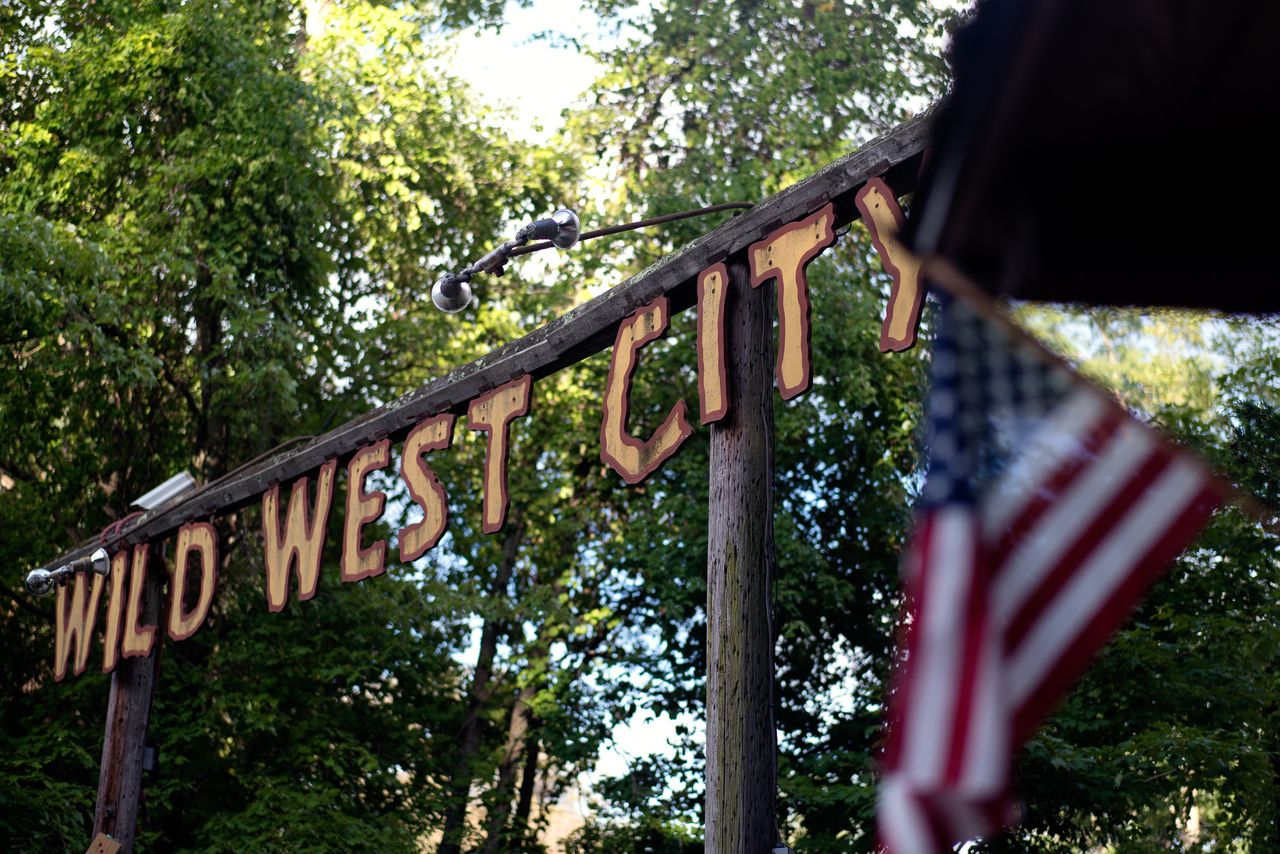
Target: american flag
1047 511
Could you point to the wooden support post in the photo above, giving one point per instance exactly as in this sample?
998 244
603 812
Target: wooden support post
741 773
133 685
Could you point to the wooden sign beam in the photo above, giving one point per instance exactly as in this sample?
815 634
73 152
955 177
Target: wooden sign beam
568 339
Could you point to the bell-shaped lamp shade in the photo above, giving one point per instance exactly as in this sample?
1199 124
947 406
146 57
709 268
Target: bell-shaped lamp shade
39 582
561 228
451 295
568 228
100 562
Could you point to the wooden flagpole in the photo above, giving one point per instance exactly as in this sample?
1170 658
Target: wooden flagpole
741 774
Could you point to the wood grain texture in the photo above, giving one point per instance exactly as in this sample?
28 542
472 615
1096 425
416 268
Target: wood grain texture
125 737
577 334
102 844
741 773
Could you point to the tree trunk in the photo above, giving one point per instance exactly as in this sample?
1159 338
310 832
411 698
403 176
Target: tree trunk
469 737
528 782
741 741
517 729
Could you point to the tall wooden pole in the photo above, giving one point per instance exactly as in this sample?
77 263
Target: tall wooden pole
741 765
133 685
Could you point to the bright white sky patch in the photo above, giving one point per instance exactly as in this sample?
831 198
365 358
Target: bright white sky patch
532 78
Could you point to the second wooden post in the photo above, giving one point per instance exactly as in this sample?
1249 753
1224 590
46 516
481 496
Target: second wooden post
741 776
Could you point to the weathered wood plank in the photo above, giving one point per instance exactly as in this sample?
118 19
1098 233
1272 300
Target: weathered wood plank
568 339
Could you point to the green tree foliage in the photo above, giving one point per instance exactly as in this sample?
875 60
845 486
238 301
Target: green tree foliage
215 225
710 102
194 265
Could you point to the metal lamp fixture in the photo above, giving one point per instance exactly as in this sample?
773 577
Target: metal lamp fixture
165 492
451 294
561 228
452 291
41 582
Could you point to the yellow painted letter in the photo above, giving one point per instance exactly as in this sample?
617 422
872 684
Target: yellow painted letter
196 537
783 255
363 508
300 541
115 611
432 434
884 220
633 459
75 621
493 413
713 293
138 640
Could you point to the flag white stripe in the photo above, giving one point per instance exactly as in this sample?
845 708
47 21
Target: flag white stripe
1058 439
1068 518
1097 579
936 657
987 741
903 826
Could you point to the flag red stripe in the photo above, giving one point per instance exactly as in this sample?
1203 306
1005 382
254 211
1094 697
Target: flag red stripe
1107 518
1049 492
1116 608
975 631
